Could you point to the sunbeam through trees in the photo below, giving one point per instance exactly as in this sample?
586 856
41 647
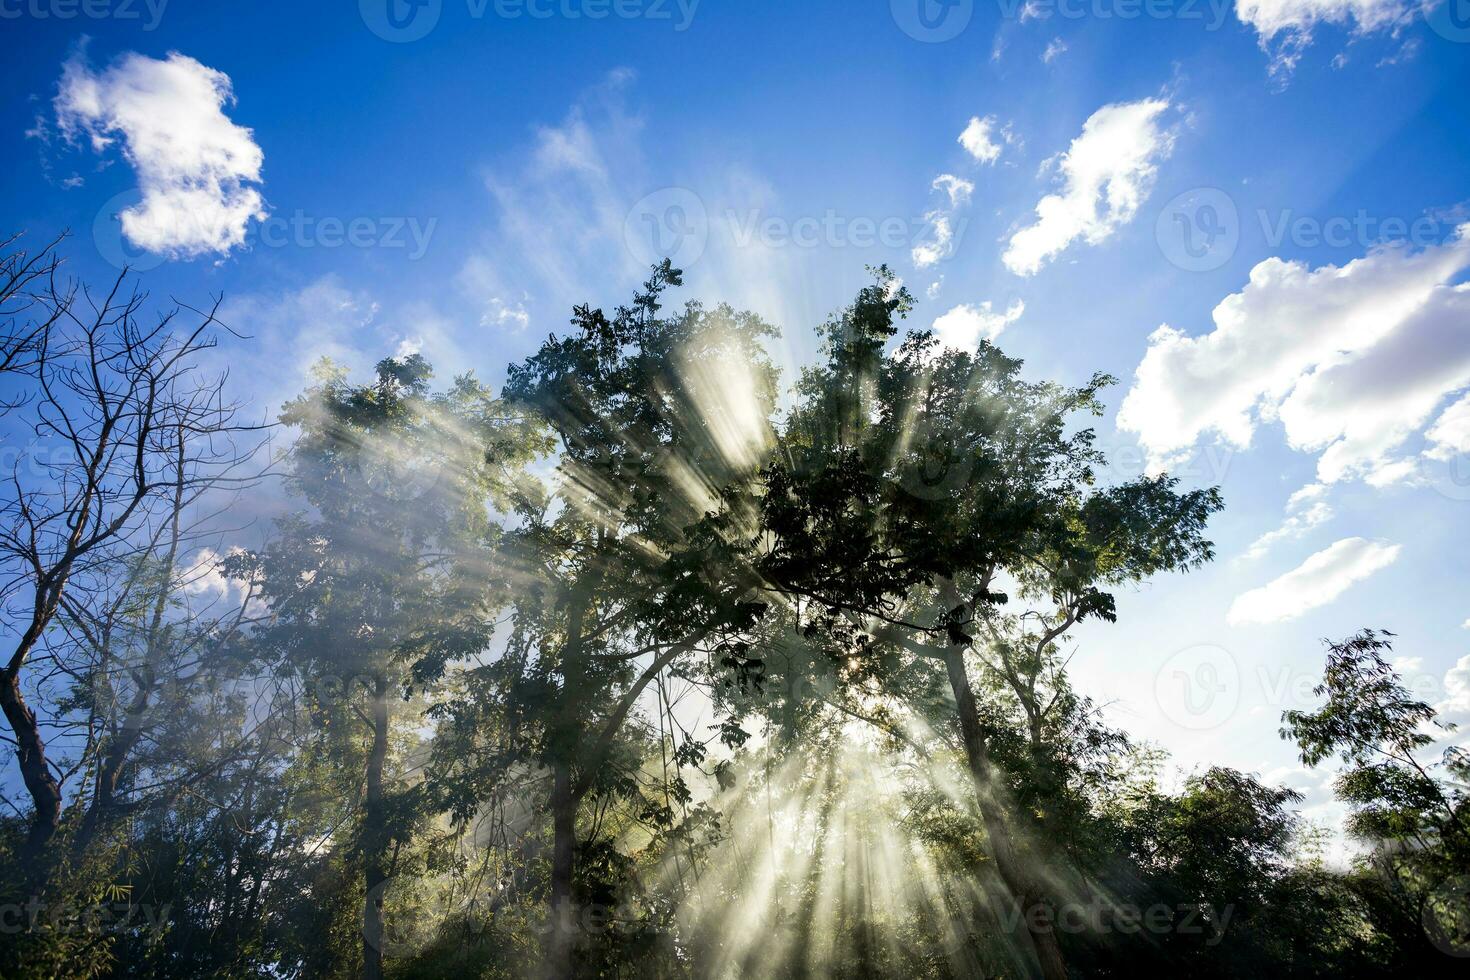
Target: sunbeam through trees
651 663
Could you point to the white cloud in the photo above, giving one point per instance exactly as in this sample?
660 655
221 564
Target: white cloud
1307 494
984 141
956 188
1303 513
927 253
1351 360
978 139
1106 174
1054 50
591 171
1315 785
1289 24
1407 665
194 166
481 282
502 314
1450 433
1272 17
966 325
1456 705
1316 582
294 330
203 576
941 220
1357 409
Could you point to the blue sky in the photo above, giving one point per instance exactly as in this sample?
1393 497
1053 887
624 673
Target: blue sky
1125 165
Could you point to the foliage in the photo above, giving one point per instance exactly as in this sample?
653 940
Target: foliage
638 669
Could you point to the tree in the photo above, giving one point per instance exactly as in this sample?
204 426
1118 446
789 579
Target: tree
387 578
163 629
1414 812
632 563
724 691
243 829
912 484
1379 730
123 424
27 285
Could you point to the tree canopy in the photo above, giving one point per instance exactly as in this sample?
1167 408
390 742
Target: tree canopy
650 663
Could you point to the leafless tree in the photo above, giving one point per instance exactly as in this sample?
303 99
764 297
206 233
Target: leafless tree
127 430
26 321
158 634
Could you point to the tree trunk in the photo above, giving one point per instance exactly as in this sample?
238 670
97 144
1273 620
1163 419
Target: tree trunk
1035 912
375 840
44 790
561 932
109 771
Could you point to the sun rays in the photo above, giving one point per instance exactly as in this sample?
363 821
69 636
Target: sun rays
820 873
